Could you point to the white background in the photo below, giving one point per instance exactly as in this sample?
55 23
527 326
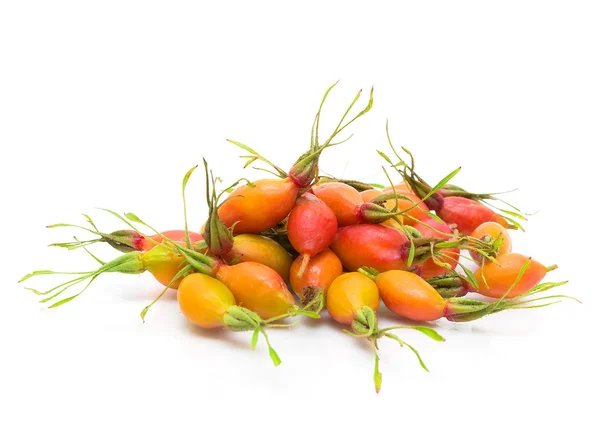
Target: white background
107 104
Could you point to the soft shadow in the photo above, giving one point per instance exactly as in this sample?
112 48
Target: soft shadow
512 332
221 335
389 315
325 320
136 295
362 343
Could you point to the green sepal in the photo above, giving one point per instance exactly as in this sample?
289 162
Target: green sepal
240 319
274 357
217 236
255 334
364 322
313 301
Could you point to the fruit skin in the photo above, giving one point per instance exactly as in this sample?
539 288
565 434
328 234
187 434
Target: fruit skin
321 271
256 248
256 287
393 223
488 232
408 295
343 200
501 276
254 209
400 187
173 235
164 264
368 195
429 268
371 245
349 293
419 212
204 300
311 227
467 214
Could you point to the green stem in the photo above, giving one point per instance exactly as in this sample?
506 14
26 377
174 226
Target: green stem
182 273
272 353
185 219
129 263
256 156
207 261
277 318
283 325
315 131
363 271
377 375
365 325
466 310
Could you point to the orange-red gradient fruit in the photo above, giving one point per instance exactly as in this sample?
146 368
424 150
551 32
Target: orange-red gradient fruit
320 272
467 214
489 232
408 295
260 207
257 287
343 200
500 277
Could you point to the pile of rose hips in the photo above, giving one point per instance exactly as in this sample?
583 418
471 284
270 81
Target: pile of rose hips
342 245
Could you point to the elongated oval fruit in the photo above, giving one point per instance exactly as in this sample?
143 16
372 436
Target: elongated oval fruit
254 209
430 228
349 293
256 287
343 200
467 214
321 271
257 248
408 295
311 228
371 245
266 203
353 299
204 300
500 277
209 304
488 232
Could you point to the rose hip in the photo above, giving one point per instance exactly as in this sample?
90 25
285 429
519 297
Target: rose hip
321 271
258 207
353 299
497 279
311 228
430 228
467 214
490 232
